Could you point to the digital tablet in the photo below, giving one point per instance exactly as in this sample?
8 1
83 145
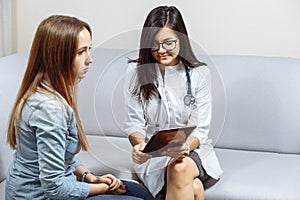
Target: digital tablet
166 138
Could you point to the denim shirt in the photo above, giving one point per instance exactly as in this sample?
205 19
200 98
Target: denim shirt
45 156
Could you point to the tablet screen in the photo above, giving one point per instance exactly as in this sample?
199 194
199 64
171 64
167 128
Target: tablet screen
166 138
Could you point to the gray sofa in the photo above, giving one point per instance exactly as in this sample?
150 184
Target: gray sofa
255 125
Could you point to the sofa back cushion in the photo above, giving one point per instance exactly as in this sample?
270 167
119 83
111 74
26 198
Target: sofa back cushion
12 71
262 103
100 94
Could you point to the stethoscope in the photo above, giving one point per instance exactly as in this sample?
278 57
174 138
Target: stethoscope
188 99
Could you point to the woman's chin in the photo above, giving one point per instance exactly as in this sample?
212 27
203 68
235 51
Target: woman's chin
165 62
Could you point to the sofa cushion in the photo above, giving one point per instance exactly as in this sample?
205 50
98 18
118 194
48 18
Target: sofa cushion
13 68
2 189
262 103
256 175
97 92
108 155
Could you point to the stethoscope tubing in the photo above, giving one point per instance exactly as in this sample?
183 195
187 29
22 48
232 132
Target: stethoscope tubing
188 99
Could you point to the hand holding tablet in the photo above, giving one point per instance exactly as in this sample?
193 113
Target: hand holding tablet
166 138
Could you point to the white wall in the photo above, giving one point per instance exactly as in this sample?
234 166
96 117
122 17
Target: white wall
246 27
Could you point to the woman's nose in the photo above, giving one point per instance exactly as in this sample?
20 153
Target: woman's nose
161 49
89 58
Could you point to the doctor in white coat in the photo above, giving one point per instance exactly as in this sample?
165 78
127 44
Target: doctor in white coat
167 86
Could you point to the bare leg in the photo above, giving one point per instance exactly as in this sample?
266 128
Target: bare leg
198 190
180 179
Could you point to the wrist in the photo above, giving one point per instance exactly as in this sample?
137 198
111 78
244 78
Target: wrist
100 188
88 176
91 178
187 146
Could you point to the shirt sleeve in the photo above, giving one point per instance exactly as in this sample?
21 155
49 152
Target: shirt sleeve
77 162
50 122
135 121
202 109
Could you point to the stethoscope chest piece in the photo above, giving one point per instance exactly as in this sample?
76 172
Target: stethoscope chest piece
189 100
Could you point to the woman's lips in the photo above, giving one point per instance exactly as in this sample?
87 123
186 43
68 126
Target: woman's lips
163 57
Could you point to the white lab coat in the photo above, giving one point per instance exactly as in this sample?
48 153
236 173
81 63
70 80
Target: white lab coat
171 111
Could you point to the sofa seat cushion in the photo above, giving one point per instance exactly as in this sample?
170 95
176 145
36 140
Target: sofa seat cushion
256 175
2 189
108 155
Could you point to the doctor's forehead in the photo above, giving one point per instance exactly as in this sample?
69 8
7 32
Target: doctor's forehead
165 34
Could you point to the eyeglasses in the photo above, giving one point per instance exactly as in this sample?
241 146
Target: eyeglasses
167 45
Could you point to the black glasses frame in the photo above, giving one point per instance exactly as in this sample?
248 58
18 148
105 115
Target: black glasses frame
163 45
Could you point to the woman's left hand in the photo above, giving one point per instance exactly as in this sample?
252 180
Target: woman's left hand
177 152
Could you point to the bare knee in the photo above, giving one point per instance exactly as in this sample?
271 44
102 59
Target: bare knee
178 170
198 189
181 173
176 174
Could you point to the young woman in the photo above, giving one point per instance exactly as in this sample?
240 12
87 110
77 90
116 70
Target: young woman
169 87
45 129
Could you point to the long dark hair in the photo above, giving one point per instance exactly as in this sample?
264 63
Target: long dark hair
146 77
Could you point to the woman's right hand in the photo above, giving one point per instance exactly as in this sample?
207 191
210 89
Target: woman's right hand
120 190
113 182
103 188
137 154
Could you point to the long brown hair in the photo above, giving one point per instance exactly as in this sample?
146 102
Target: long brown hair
51 57
146 78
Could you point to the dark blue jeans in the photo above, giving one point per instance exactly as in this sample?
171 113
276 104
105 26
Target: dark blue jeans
134 191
